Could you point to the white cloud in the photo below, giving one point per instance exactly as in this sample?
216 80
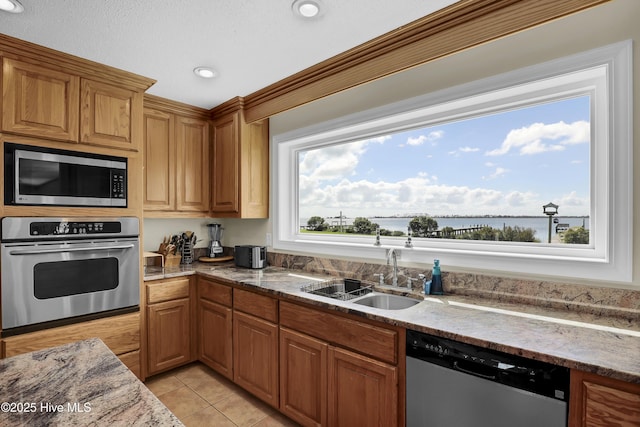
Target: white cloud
497 173
468 149
417 194
517 199
573 200
334 162
421 139
463 150
536 138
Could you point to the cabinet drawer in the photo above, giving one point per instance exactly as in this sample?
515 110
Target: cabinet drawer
120 333
375 341
255 304
214 292
165 290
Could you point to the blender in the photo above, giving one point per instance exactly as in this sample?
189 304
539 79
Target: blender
215 234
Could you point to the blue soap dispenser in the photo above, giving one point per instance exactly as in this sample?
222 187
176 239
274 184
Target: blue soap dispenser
436 279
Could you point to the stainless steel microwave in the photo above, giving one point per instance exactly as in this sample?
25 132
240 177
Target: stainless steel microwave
46 176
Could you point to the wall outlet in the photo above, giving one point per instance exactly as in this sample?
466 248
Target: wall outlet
268 240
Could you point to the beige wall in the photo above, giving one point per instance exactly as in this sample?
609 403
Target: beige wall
606 24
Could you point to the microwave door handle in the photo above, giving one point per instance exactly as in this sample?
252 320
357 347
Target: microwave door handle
58 250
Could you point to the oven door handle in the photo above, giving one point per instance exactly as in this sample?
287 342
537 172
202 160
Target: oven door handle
58 250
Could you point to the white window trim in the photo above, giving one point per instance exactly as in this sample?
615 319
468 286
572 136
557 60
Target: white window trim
605 73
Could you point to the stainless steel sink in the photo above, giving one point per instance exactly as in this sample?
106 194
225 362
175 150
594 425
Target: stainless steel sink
386 301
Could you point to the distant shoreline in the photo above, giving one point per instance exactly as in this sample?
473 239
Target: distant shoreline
467 216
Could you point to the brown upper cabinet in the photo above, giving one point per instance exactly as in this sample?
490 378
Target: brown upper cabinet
240 164
110 115
192 164
39 101
49 102
159 160
176 159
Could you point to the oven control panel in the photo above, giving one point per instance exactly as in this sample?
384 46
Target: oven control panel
64 228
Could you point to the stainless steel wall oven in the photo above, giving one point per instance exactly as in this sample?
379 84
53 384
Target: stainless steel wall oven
55 269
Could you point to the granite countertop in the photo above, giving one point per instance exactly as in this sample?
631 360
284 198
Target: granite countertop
82 383
604 345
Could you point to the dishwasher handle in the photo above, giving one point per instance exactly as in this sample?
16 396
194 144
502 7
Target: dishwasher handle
457 367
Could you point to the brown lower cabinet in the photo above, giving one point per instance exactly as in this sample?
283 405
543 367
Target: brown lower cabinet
338 371
255 356
255 344
362 391
168 324
317 367
325 385
168 335
215 326
598 401
215 337
303 378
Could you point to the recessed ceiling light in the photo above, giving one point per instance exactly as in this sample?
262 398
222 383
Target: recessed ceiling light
12 6
204 72
306 8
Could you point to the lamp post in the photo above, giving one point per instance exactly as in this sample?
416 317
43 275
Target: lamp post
550 210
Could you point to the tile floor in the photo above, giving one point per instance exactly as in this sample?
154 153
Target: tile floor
199 396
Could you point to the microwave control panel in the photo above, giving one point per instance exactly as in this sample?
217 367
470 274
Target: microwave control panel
118 185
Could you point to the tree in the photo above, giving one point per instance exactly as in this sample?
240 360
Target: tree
362 225
517 234
316 223
485 233
423 226
447 232
576 235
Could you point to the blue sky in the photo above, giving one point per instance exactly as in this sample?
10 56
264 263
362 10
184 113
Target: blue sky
510 163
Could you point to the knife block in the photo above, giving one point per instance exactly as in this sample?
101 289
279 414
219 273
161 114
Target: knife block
172 261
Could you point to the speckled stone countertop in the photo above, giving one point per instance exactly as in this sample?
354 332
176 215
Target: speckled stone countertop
608 346
82 383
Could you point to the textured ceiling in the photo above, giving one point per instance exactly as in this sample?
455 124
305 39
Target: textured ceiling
251 43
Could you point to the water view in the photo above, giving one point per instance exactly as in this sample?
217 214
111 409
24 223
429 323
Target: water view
539 224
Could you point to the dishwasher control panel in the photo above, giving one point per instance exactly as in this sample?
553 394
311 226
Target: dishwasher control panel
516 371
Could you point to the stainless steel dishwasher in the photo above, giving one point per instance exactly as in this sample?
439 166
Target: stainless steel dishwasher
453 384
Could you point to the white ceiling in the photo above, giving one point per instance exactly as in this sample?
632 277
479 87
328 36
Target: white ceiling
251 43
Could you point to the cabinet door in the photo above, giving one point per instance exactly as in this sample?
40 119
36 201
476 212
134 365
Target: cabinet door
192 171
303 378
254 170
39 101
110 116
362 391
215 337
224 183
255 356
169 342
159 160
599 402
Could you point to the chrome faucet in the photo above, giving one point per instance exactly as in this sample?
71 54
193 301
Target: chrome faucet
392 254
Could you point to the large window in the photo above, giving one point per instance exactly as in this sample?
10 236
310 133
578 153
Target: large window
484 177
528 171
